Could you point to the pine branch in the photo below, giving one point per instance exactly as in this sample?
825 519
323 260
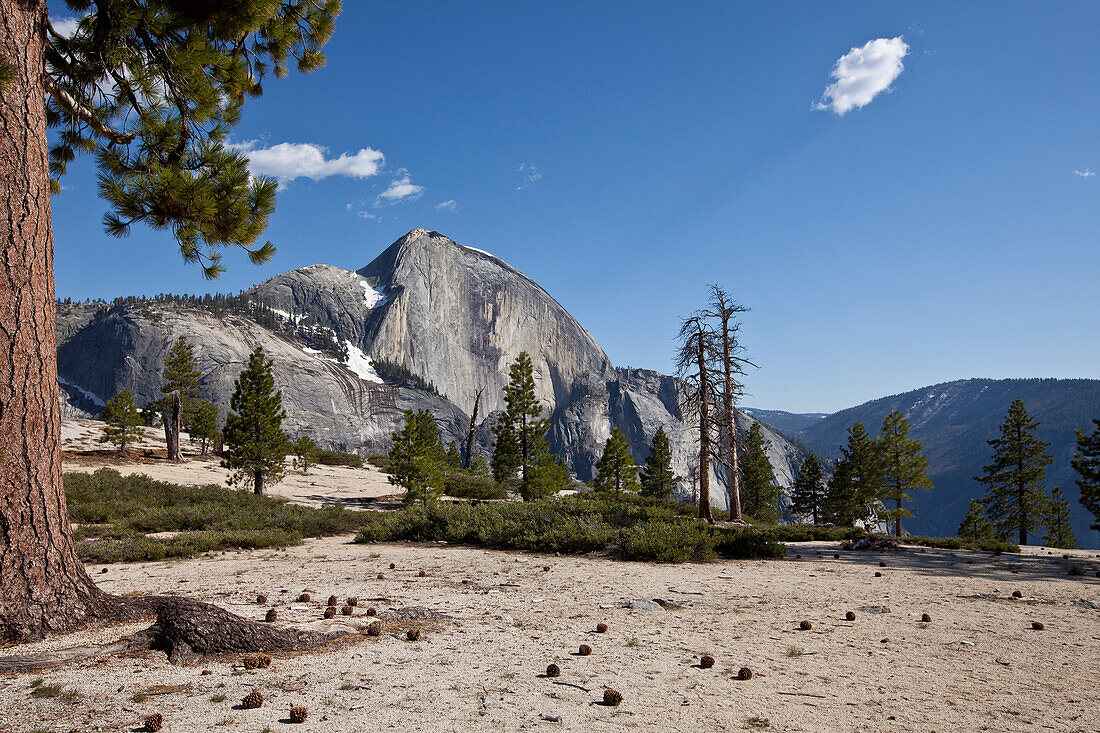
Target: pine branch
79 111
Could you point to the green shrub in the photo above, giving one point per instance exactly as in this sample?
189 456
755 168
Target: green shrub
648 531
957 543
813 533
339 458
115 513
382 462
467 485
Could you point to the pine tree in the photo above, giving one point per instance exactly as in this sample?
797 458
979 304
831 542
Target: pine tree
417 458
180 403
1015 498
1059 529
807 494
976 525
657 477
122 418
255 444
520 436
204 426
840 505
1086 462
759 491
153 88
615 471
305 452
903 466
865 467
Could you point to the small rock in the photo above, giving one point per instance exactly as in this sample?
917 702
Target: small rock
874 609
644 606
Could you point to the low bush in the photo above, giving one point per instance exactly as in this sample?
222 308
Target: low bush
957 543
644 531
814 533
468 485
382 462
114 513
339 458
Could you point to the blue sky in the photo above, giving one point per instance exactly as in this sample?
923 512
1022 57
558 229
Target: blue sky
625 155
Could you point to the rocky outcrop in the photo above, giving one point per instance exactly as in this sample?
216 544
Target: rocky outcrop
455 316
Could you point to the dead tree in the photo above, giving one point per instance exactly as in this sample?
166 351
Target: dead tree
172 418
470 435
723 312
694 366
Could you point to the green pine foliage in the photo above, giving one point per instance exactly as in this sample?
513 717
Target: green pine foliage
255 444
181 373
759 491
1059 529
839 505
417 459
154 87
615 470
305 453
976 525
903 466
1015 497
520 447
1086 462
657 478
122 418
204 426
808 492
864 464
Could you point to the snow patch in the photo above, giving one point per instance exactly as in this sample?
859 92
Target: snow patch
81 390
480 251
288 316
358 363
372 296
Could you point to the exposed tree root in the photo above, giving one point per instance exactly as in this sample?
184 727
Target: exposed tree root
185 629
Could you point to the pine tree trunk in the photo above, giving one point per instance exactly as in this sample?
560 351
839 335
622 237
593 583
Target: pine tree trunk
470 435
43 586
704 438
734 479
257 482
172 429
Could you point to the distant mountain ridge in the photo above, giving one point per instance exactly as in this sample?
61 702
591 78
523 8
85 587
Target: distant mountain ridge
954 420
454 316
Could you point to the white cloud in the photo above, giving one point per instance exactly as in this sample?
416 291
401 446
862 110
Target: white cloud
1084 172
528 174
287 161
65 26
401 189
447 206
863 73
369 216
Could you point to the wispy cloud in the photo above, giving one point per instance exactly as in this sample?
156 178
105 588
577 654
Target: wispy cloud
287 161
447 206
863 73
1084 172
528 174
369 216
401 189
66 26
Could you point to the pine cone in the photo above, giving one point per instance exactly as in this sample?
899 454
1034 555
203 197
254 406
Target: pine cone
346 610
264 660
585 650
251 662
298 714
422 574
601 628
744 673
612 697
926 618
372 611
353 601
330 612
154 722
261 599
706 662
332 600
374 629
552 670
304 598
252 700
851 616
413 634
271 615
805 625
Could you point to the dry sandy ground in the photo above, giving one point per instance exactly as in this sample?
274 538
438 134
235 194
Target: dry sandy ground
978 666
85 452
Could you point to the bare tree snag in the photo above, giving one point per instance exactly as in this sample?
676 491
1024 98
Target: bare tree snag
470 435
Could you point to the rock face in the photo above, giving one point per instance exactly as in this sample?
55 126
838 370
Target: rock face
452 315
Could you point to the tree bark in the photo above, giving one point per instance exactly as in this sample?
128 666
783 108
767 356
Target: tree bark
470 435
734 478
704 437
257 482
43 586
172 429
